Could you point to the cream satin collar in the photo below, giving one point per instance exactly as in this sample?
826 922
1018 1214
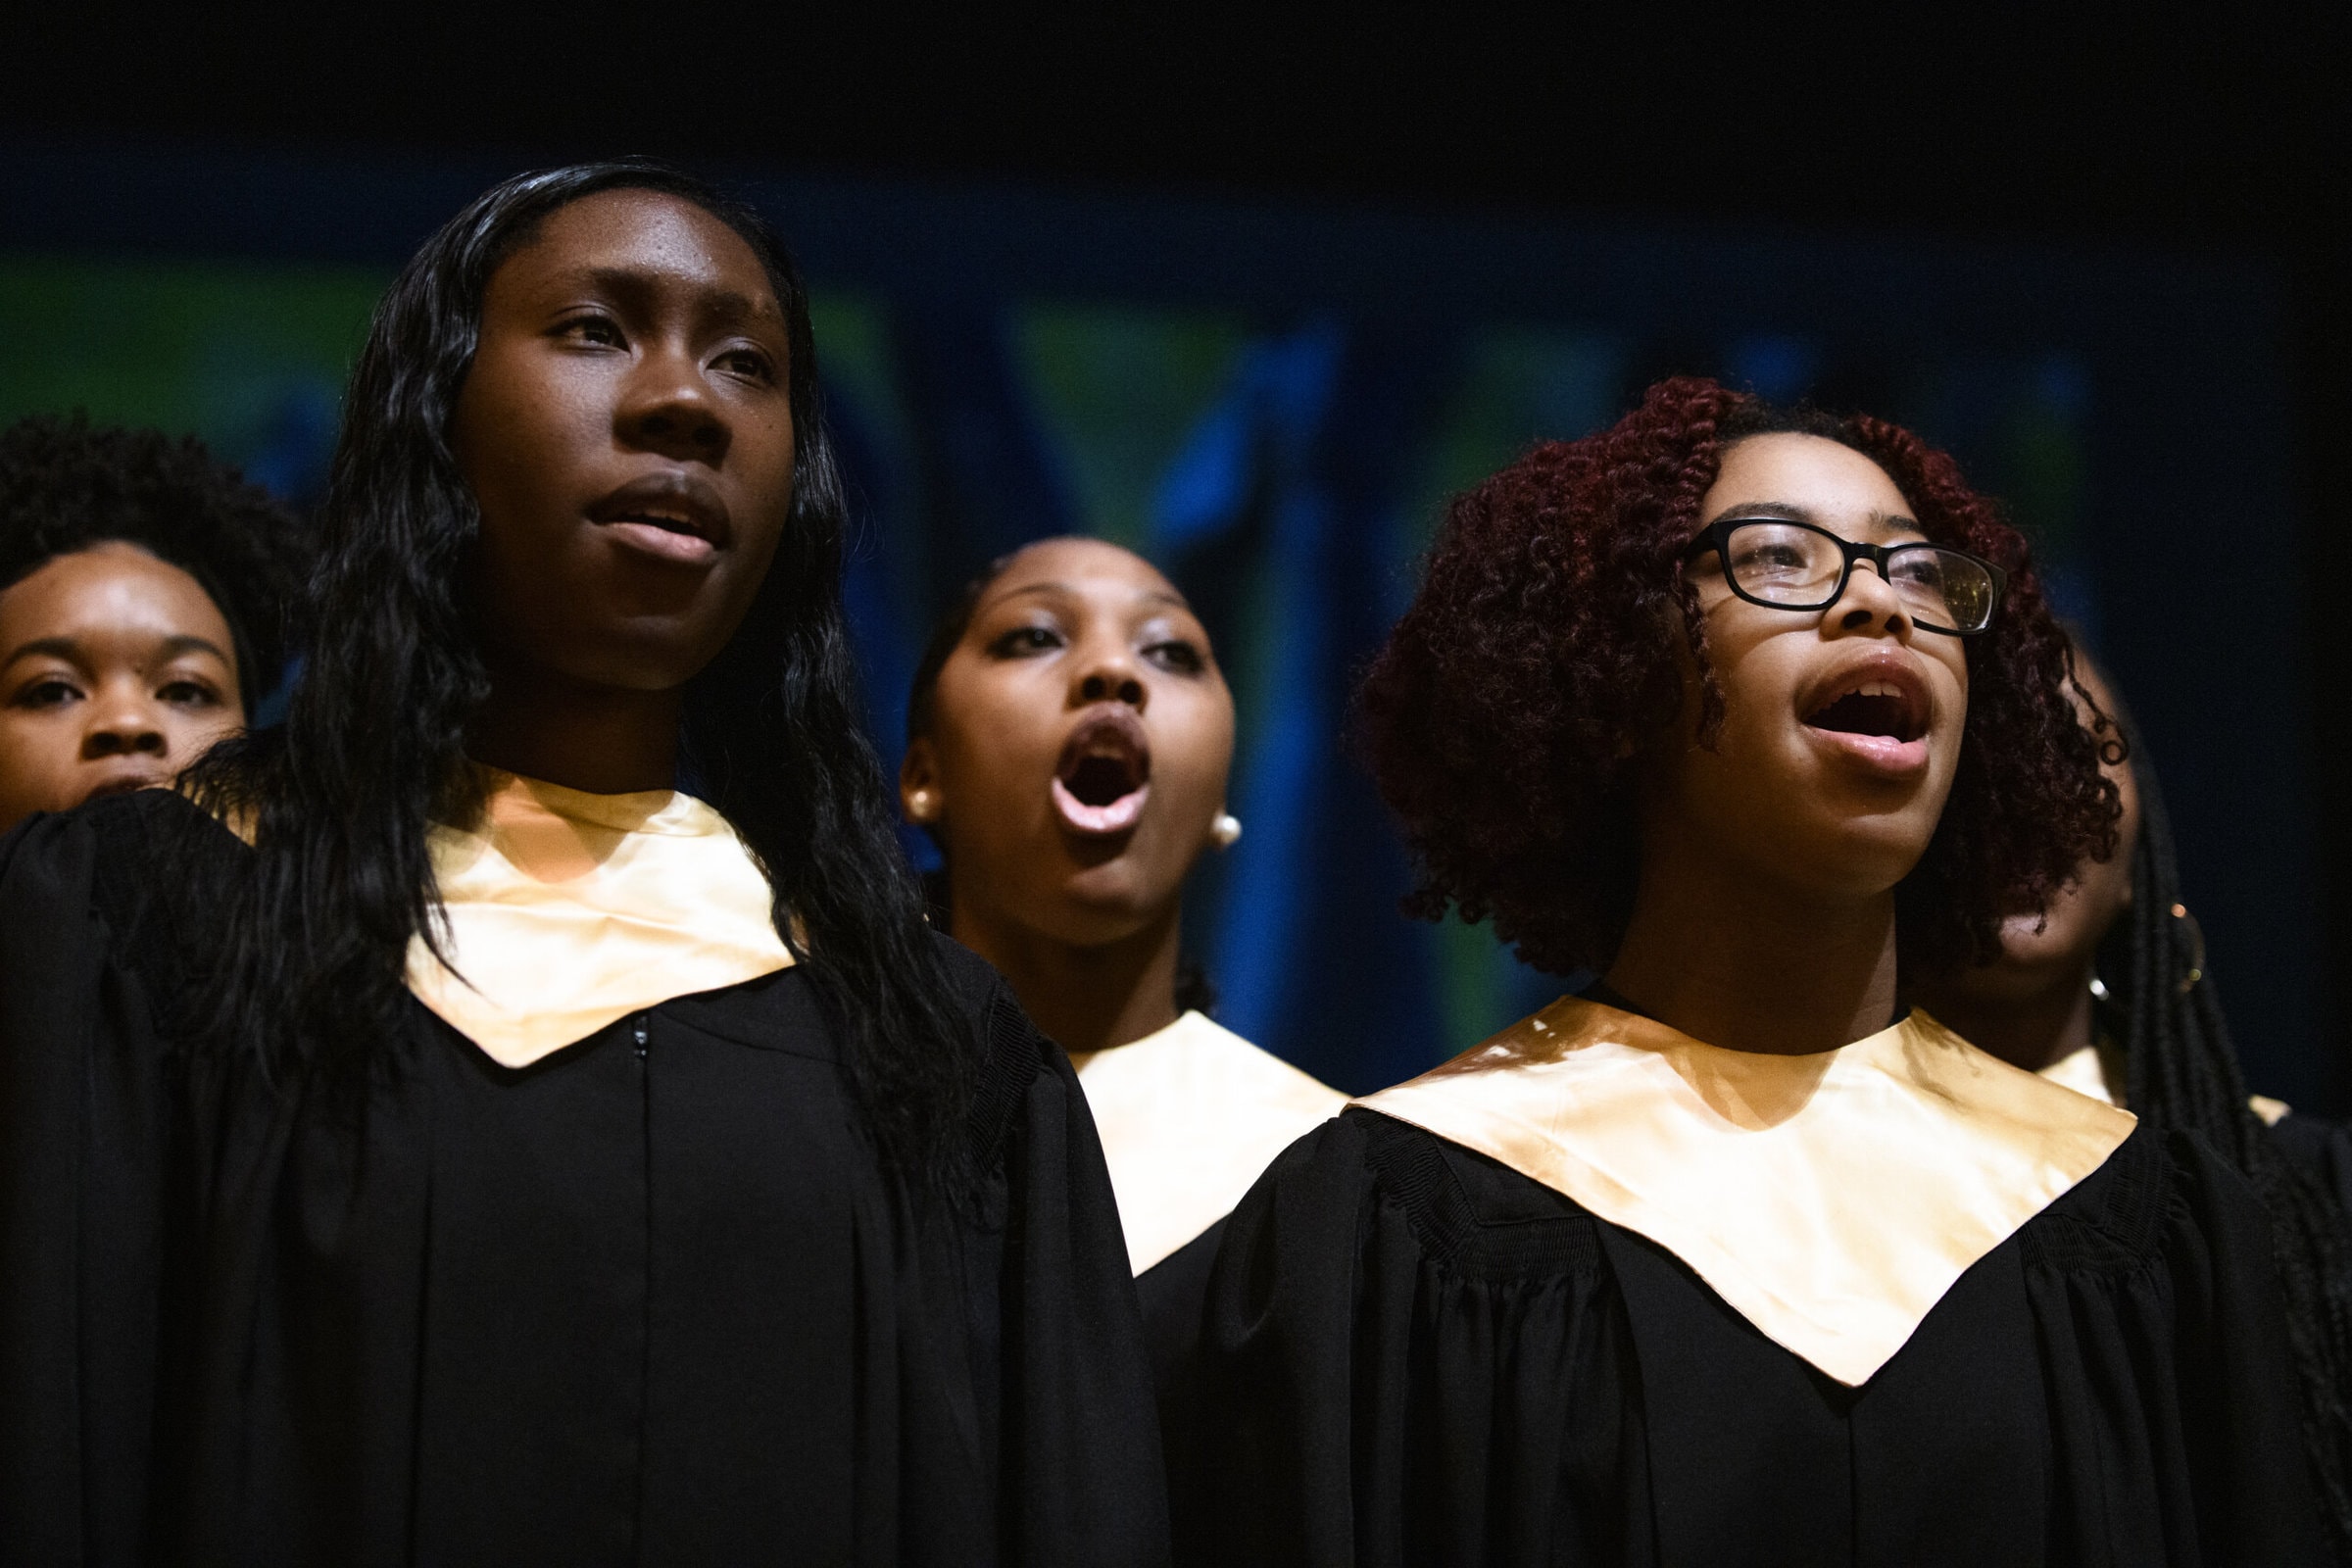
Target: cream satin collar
567 911
1189 1117
1830 1199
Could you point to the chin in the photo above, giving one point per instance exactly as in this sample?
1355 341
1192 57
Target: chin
1099 907
647 665
1864 859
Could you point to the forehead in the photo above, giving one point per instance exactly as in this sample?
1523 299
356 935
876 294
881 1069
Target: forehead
112 586
642 231
1091 568
1826 480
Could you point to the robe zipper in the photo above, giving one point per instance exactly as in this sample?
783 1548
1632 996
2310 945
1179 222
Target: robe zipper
639 1032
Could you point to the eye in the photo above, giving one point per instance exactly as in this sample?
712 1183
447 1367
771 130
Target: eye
1771 555
750 363
1025 642
188 694
593 328
1924 567
49 691
1177 655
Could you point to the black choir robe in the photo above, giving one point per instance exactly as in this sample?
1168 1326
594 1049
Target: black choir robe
1414 1354
650 1299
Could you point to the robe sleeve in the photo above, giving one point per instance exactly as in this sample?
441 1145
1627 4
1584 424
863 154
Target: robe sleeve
1078 1442
81 1097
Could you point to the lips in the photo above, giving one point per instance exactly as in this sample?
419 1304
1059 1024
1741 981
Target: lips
1104 773
675 516
1874 710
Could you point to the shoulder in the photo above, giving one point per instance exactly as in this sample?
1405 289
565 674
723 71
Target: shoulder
118 856
2162 1192
1014 1062
101 909
972 979
1469 1214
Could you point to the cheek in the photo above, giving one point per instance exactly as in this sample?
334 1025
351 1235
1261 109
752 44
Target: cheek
513 432
38 750
190 733
996 747
1194 753
1759 698
1952 690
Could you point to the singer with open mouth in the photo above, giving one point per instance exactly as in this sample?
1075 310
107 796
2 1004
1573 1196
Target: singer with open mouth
1070 735
1731 1256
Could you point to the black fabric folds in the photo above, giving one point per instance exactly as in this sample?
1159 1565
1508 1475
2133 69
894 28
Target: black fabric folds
1412 1354
650 1299
2323 1149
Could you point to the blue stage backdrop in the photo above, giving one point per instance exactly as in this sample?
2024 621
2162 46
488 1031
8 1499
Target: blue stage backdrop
1274 403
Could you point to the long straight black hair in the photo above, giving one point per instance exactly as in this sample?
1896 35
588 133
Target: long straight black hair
372 753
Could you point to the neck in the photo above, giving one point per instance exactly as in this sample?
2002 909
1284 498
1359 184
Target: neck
2030 1030
1736 963
603 740
1088 997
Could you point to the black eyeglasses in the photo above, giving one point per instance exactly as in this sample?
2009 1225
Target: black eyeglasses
1794 565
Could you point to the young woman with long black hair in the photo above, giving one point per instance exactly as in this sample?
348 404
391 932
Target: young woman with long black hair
2109 993
1731 1259
517 1112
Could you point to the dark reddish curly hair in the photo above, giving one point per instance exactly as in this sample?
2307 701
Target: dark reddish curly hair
1506 716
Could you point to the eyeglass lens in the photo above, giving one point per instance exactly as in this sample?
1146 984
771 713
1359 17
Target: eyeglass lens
1786 563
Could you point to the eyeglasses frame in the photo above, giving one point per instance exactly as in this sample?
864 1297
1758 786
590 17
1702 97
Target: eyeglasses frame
1717 536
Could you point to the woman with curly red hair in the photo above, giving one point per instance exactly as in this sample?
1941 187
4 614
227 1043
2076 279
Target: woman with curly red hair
1731 1257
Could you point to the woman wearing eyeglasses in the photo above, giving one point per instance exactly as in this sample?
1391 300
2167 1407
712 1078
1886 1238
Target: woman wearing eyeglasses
1731 1257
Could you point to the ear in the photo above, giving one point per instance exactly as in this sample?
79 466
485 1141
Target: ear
921 801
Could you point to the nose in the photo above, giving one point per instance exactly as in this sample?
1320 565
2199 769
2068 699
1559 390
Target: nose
1108 675
123 727
668 408
1869 605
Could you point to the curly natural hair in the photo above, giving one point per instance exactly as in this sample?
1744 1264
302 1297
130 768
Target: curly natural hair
67 485
1506 718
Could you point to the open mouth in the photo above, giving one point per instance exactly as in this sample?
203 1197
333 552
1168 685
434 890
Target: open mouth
1878 708
1877 714
1105 774
673 516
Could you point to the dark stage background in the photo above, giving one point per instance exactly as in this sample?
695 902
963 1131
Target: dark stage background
1261 335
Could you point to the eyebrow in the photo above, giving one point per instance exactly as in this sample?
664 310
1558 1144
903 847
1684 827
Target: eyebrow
65 647
173 647
1788 510
727 305
1155 595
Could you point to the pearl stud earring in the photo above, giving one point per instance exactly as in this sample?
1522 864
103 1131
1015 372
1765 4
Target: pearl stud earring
1226 830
